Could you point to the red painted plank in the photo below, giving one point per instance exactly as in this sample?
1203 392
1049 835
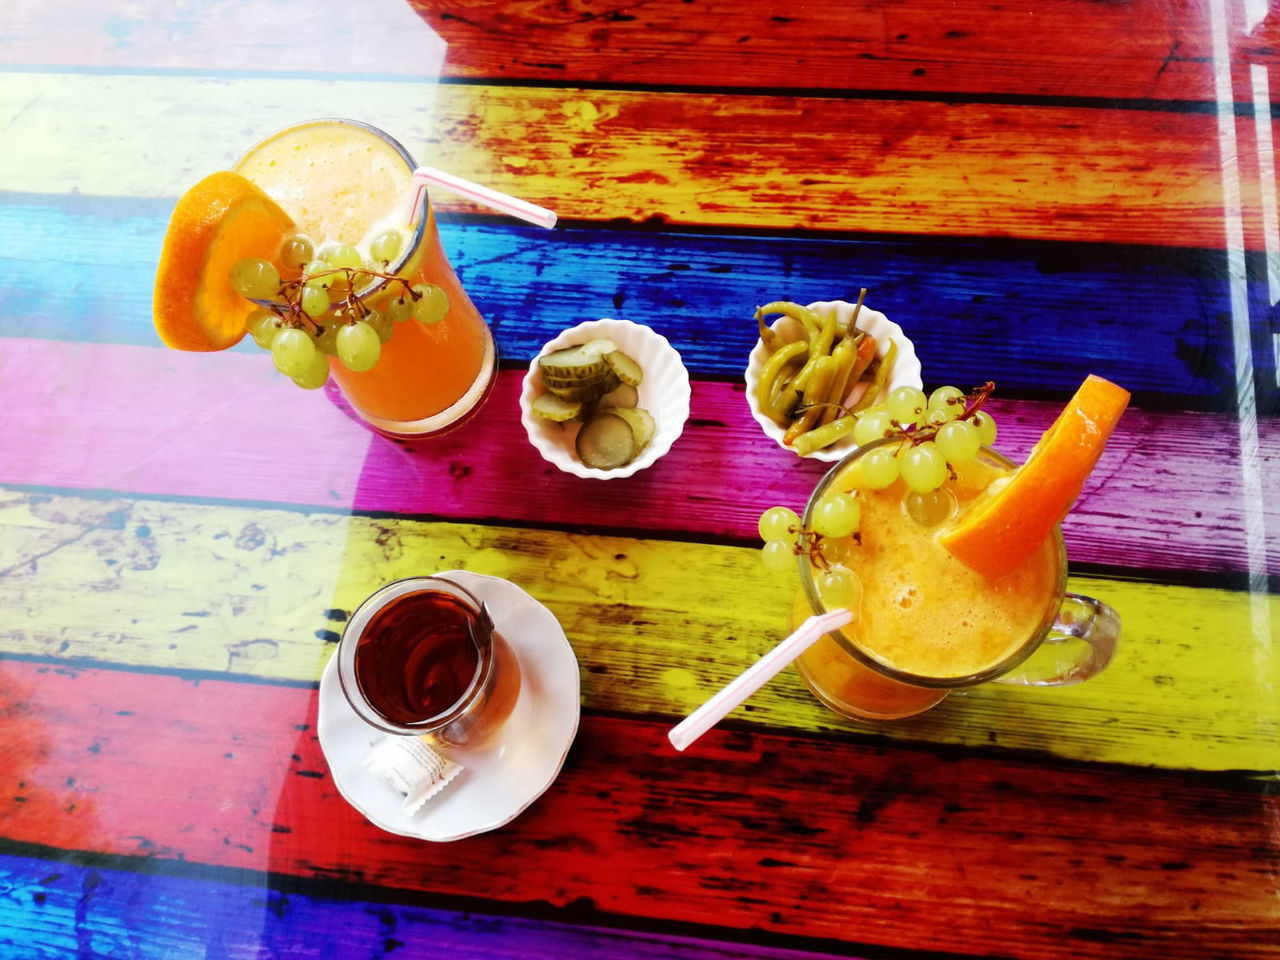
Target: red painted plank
1140 49
837 840
143 420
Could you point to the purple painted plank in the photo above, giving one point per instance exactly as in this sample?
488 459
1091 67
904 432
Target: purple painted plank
53 910
1169 494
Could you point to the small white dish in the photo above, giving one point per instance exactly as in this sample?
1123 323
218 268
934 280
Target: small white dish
499 779
664 392
906 366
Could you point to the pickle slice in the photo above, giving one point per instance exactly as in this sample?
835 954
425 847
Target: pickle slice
550 407
581 389
583 362
606 441
641 423
623 395
628 370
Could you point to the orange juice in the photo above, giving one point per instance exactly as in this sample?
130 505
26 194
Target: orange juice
926 622
344 183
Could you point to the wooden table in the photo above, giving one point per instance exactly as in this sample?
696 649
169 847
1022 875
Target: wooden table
1034 191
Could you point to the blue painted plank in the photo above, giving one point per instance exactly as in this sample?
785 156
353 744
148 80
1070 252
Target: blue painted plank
52 911
1036 318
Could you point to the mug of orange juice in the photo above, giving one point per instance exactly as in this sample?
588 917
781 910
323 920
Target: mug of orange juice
349 185
925 623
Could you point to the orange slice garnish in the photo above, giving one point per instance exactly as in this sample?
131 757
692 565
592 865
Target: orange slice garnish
1006 526
222 219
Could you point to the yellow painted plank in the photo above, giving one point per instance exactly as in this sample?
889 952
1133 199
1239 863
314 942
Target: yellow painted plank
657 626
709 159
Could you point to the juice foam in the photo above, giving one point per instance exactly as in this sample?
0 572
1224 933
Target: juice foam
924 612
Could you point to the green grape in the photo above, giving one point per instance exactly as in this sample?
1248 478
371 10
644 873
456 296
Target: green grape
931 508
344 256
906 405
872 425
837 549
326 338
293 351
949 400
986 425
314 301
316 375
259 326
296 252
432 303
326 279
382 325
255 279
935 418
923 468
399 309
836 515
386 246
358 346
839 589
879 468
778 523
778 556
958 440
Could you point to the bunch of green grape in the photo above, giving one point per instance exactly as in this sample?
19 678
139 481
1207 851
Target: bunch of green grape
835 518
318 315
937 430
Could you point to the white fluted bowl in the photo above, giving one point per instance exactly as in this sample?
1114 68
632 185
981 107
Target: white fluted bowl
664 392
906 367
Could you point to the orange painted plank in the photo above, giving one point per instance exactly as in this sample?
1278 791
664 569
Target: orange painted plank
812 163
843 841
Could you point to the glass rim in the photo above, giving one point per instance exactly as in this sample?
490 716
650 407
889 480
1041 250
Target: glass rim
418 230
354 629
1024 651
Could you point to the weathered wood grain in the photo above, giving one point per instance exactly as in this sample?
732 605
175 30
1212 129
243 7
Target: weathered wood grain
263 593
1033 317
1145 49
712 160
108 418
817 838
50 909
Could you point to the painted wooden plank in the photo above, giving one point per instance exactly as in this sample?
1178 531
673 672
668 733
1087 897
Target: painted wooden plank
143 420
1145 50
1138 50
811 838
52 909
1030 316
263 594
962 169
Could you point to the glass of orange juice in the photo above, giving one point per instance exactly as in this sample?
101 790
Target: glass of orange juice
925 623
347 184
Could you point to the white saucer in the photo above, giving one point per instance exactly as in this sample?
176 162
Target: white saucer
498 780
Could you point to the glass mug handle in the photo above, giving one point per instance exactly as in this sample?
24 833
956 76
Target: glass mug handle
1079 644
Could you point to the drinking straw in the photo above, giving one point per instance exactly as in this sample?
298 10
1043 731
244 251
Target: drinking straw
754 677
513 206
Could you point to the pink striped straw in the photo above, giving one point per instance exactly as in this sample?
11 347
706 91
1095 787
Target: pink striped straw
754 677
512 206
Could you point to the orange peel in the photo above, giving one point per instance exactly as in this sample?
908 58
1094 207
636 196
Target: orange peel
222 219
1006 525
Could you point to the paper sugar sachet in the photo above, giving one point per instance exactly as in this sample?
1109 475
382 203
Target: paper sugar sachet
412 768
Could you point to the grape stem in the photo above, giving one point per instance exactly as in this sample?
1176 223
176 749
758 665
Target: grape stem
291 311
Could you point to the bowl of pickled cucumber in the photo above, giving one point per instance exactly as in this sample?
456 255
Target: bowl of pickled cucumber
605 399
817 367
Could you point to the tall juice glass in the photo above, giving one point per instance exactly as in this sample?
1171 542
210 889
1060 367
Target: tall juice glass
925 623
345 182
